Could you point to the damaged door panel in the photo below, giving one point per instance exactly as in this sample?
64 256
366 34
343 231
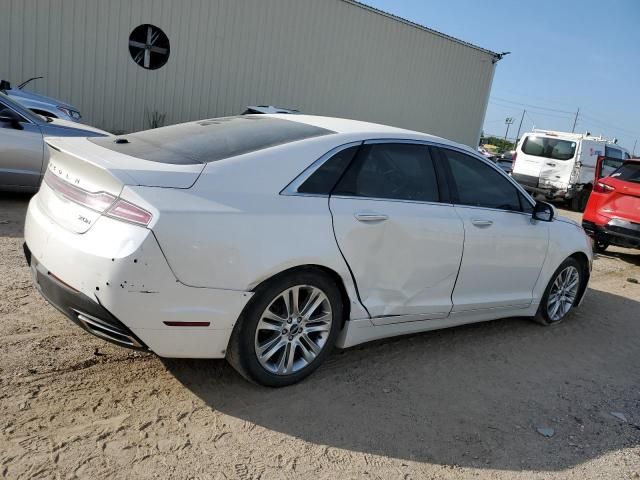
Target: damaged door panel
404 247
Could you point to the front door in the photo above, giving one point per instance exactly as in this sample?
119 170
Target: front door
503 248
402 243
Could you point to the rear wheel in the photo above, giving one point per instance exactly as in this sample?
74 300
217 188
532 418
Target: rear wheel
580 199
599 246
561 294
288 329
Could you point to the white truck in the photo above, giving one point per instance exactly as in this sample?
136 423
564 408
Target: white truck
561 165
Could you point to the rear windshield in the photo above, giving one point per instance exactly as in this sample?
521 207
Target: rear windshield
210 140
549 148
630 172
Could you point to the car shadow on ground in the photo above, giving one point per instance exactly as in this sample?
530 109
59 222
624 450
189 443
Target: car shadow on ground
629 256
468 396
13 208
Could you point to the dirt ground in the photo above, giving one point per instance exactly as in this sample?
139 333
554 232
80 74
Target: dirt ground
459 403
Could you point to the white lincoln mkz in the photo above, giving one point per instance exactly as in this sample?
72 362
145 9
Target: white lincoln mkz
270 239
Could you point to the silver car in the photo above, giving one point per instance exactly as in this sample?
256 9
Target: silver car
40 104
23 156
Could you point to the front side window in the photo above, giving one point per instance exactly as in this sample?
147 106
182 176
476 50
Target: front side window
611 152
398 171
478 185
549 147
8 102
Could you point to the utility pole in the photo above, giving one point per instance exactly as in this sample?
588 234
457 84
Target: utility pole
575 120
519 127
633 154
508 121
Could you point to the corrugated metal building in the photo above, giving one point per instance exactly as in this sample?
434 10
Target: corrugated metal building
326 57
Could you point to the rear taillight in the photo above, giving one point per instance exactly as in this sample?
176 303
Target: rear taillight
98 201
513 161
101 202
129 212
600 187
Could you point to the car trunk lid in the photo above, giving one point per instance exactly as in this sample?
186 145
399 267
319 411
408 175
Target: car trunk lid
83 180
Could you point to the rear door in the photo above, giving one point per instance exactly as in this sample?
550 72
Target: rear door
558 158
402 241
529 161
21 153
503 249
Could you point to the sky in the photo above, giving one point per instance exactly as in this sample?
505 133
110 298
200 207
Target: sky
565 55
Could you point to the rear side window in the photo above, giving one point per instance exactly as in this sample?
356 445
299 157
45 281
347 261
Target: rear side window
549 148
611 152
210 140
479 185
397 171
629 172
324 178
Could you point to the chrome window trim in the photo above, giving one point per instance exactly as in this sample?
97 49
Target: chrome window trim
477 207
292 188
396 200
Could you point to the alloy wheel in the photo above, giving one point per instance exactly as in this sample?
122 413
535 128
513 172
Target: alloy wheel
563 293
293 329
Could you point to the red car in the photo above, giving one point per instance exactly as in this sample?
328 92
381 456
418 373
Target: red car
612 216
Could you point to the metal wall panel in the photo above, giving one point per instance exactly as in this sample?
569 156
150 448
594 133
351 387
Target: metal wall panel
326 57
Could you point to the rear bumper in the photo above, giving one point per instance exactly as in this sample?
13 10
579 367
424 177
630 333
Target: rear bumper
532 184
116 276
617 232
80 309
526 181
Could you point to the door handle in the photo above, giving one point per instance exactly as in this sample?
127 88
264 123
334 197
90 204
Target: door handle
551 164
370 217
481 223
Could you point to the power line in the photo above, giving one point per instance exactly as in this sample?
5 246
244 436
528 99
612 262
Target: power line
536 98
608 125
574 115
531 105
553 115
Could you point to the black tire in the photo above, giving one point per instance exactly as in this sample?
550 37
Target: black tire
574 203
579 201
241 352
599 246
542 316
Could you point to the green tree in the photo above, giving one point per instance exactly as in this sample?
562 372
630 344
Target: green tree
500 143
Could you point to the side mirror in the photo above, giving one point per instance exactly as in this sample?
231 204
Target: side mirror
544 212
9 116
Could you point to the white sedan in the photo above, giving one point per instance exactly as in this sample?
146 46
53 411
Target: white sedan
269 239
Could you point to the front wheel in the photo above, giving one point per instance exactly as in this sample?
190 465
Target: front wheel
288 328
561 294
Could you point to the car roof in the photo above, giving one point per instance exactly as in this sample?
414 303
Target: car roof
366 129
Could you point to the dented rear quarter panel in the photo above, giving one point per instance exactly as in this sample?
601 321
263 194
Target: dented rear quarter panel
233 229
